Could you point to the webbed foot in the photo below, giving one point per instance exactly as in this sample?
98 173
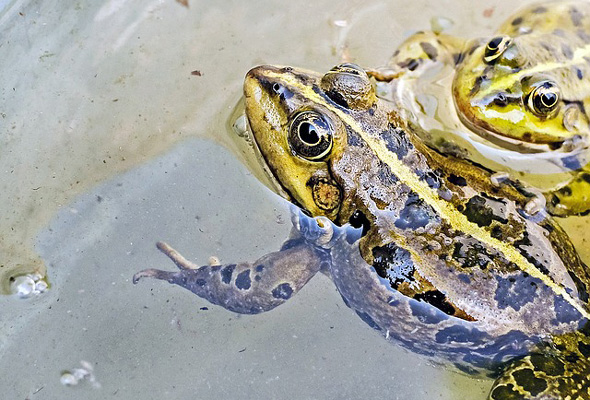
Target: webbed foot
247 288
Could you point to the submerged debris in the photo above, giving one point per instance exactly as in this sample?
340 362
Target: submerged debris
76 375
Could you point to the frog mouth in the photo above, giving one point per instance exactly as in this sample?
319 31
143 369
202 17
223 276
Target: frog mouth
251 90
274 183
485 131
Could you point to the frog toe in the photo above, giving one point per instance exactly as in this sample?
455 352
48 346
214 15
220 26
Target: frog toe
157 274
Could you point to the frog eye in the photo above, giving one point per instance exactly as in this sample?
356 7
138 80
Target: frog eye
495 48
349 86
310 136
543 98
348 68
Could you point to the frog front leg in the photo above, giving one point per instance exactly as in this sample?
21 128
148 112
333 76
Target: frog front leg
573 198
246 288
251 288
419 53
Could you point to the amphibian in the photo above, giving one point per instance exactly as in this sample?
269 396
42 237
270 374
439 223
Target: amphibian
526 90
423 246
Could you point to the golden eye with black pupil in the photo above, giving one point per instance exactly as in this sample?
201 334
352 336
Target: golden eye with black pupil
495 48
310 136
543 98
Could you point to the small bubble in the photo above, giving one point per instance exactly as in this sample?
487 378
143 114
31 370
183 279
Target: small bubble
68 379
241 126
23 286
40 286
77 375
440 24
36 276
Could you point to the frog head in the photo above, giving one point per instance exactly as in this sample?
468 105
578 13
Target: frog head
295 117
520 92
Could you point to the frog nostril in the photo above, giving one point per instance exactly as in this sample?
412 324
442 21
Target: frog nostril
500 100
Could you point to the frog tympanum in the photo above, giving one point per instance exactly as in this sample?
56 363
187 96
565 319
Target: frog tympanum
526 90
423 246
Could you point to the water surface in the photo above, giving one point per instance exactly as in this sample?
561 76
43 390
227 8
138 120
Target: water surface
109 144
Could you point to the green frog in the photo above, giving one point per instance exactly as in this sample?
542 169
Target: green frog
425 247
521 98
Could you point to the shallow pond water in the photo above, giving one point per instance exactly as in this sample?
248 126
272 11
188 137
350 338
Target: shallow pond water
111 141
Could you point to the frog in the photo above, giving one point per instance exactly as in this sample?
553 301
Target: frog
423 246
525 91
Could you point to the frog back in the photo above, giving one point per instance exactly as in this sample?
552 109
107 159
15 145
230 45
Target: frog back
546 17
442 292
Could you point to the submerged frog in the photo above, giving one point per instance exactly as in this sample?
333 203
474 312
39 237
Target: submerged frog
422 246
526 90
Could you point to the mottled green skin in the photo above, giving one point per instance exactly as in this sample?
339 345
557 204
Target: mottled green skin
438 261
547 42
544 43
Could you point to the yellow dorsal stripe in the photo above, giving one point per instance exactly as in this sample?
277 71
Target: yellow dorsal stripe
446 210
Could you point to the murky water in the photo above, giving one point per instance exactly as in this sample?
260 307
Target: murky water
109 144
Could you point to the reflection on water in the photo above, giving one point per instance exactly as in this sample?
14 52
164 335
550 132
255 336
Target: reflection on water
104 88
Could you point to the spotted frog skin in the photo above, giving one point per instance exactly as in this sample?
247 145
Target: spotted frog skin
421 245
526 90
